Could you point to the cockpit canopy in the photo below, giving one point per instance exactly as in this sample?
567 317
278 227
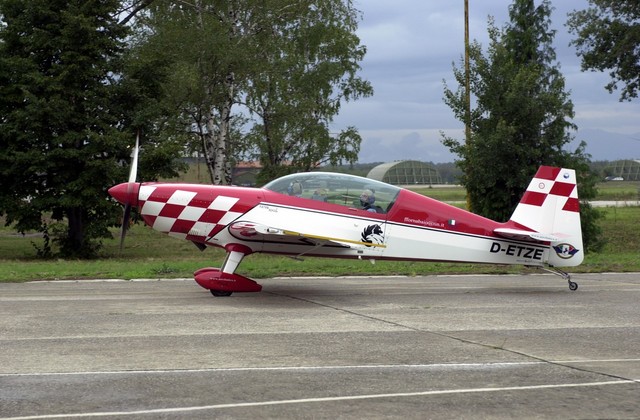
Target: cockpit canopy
343 189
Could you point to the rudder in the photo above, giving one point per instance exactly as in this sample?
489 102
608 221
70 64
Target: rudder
550 205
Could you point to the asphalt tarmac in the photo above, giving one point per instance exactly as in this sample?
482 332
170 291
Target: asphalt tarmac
323 348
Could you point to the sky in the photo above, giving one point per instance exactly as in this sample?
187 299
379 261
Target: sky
411 48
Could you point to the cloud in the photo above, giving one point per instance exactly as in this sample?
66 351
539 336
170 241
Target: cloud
391 145
411 45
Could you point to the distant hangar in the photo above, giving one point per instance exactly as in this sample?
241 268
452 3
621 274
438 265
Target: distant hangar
406 172
628 170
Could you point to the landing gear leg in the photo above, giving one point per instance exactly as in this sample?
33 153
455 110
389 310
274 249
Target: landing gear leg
232 261
229 265
573 286
224 281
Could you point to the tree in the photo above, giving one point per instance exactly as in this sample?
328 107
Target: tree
608 38
286 65
312 59
204 47
63 114
522 116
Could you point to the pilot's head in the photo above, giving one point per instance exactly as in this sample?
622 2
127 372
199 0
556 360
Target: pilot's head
367 198
295 188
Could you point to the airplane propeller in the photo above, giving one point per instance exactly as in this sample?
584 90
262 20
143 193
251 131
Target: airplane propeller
126 216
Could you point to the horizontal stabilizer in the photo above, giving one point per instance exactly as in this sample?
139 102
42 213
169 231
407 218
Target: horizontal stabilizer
528 235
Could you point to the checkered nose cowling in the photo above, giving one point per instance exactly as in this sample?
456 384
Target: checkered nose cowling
193 212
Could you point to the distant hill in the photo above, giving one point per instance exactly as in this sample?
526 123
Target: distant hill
604 145
601 145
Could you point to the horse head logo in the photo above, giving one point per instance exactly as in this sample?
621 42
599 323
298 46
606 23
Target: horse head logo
373 234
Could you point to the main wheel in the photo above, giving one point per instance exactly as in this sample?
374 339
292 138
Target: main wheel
573 285
220 293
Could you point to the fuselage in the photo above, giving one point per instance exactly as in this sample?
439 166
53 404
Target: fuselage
327 219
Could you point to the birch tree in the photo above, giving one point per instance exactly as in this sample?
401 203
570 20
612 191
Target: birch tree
260 78
313 60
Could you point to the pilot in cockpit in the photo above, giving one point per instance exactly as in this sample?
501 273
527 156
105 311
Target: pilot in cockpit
320 195
295 189
367 201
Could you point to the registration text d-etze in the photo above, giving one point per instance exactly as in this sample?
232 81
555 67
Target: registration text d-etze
518 251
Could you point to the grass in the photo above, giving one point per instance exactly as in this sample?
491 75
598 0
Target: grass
607 191
449 193
149 254
619 191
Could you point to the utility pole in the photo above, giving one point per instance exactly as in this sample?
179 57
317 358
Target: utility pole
467 76
467 90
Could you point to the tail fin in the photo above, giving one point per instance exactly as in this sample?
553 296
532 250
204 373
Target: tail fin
550 206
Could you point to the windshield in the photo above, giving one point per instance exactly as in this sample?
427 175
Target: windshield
343 189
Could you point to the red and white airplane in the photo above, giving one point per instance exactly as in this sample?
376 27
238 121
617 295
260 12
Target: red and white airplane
343 216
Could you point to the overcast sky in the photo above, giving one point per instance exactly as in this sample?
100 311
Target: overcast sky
411 45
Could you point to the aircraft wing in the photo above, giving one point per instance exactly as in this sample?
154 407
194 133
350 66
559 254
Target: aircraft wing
253 231
528 235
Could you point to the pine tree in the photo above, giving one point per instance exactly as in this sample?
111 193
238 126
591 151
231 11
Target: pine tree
522 116
64 112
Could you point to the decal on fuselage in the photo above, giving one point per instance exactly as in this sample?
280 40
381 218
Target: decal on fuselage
565 251
373 234
517 250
